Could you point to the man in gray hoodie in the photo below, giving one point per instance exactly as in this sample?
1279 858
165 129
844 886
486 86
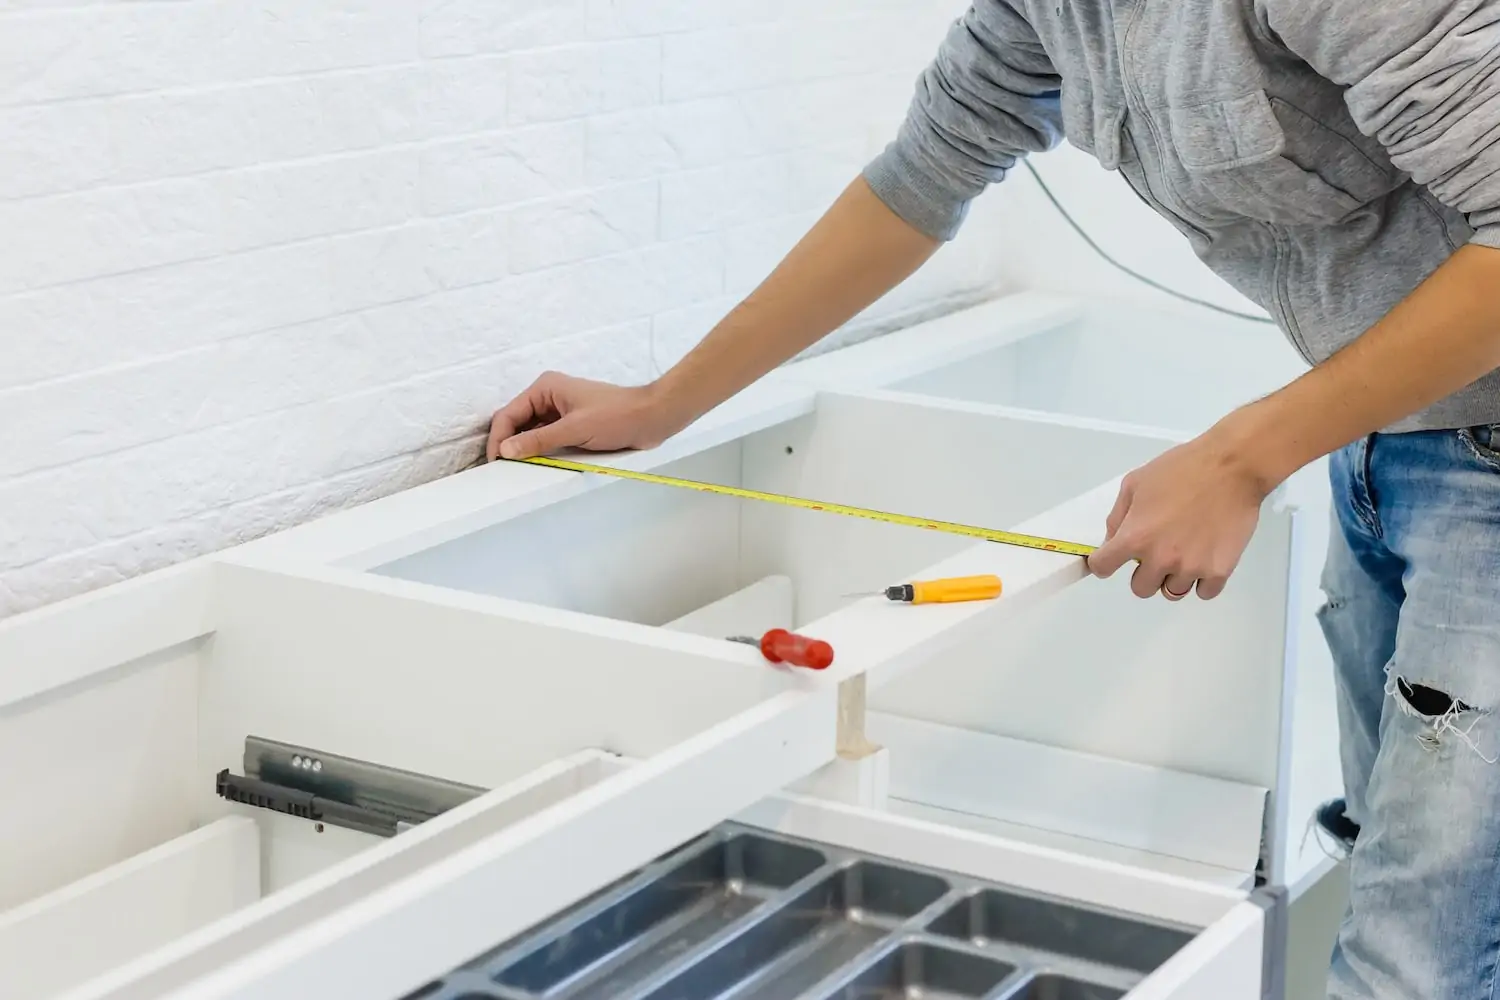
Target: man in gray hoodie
1339 163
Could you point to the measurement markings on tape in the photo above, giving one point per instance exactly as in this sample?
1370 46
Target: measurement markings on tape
949 527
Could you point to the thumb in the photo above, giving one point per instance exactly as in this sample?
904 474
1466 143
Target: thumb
1107 559
559 434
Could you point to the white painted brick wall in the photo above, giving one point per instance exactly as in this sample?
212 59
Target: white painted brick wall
261 259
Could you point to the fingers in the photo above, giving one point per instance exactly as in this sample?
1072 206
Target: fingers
1177 586
1107 559
1120 509
537 403
1148 578
541 440
1212 587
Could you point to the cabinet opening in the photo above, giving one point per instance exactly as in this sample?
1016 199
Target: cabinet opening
664 556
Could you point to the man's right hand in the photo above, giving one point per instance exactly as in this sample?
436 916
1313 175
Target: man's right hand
560 411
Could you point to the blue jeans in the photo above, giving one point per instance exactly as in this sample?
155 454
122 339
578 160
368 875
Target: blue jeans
1413 621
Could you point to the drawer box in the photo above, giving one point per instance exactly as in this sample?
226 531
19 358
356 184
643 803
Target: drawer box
753 912
543 655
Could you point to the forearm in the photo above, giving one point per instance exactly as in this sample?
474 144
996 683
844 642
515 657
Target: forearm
1443 337
856 253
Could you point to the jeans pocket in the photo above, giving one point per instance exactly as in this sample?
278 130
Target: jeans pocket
1483 442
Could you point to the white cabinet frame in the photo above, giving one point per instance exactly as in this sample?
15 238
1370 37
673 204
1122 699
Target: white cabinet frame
625 737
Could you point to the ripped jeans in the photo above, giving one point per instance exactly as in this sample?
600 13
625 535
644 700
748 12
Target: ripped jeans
1413 621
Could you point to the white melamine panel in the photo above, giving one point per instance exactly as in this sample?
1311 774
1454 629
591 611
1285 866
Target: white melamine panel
1036 836
1130 367
950 340
754 610
294 849
883 640
630 551
928 458
1027 867
74 640
1120 363
325 892
469 688
652 554
66 937
476 894
1225 962
95 771
1205 820
1194 687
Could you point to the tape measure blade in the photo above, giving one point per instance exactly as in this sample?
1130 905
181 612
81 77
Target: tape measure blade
906 520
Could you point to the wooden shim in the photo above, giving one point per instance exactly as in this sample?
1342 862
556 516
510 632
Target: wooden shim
128 909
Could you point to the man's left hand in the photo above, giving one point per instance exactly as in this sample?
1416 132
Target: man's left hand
1186 517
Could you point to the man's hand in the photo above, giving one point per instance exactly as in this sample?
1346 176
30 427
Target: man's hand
1186 517
560 411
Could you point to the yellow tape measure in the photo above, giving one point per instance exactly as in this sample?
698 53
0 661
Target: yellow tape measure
968 530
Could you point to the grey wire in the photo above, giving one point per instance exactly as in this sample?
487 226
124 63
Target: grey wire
1122 268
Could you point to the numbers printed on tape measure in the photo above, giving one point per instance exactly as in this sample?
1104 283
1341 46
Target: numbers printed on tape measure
968 530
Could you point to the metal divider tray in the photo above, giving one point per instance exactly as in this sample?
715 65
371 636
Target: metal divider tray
740 914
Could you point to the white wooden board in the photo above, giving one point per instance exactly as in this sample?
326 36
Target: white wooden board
630 551
1026 867
1226 962
289 911
62 939
955 339
751 611
401 936
95 772
46 650
1035 836
469 688
1206 820
949 461
1194 687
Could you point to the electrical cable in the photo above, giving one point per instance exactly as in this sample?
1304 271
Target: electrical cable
1126 270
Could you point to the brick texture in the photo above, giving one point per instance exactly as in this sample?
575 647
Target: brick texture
267 258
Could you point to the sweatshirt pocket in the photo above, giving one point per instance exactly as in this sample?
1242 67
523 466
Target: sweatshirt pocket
1094 128
1233 155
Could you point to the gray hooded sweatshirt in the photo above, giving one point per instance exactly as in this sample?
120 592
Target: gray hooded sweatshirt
1322 156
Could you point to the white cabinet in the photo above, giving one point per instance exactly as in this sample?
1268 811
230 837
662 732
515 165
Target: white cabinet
1120 368
460 713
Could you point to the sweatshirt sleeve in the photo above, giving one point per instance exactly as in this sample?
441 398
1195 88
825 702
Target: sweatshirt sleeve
1423 78
989 97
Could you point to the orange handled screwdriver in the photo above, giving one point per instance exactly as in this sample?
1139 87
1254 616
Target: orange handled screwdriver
781 646
950 591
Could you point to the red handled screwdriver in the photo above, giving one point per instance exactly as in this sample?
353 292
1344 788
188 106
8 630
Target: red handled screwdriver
781 646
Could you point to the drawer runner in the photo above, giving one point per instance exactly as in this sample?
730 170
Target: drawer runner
336 790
